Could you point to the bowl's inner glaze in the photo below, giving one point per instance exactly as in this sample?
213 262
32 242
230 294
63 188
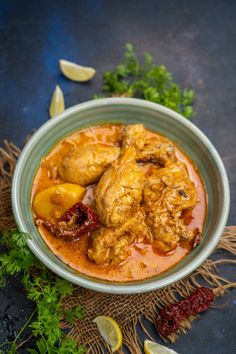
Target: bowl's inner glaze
127 111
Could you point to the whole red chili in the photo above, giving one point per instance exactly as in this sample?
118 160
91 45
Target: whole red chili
169 319
78 220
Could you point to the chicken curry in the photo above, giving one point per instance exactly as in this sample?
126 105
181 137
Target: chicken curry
119 202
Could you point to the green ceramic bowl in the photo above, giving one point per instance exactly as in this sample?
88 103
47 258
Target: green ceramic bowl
157 118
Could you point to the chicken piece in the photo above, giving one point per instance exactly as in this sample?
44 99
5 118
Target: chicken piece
85 164
156 149
173 186
119 190
167 192
134 135
113 245
167 229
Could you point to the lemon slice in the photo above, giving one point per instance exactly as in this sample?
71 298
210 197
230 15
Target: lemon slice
57 105
76 72
110 331
155 348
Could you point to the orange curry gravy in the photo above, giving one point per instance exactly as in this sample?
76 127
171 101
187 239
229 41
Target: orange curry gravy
144 262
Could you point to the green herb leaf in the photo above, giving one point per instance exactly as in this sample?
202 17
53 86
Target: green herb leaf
147 81
47 291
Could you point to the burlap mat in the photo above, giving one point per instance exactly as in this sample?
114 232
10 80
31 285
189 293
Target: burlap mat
128 310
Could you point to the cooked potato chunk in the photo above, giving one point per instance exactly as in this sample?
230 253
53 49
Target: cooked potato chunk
54 201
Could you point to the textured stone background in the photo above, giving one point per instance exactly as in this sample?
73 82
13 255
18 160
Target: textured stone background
195 40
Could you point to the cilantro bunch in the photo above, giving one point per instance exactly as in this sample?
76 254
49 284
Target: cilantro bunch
147 81
47 291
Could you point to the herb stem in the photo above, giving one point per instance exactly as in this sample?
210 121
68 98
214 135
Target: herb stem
24 341
25 325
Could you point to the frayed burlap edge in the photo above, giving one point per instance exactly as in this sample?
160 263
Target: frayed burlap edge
128 310
8 157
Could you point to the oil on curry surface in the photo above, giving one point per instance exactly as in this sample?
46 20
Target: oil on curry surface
119 202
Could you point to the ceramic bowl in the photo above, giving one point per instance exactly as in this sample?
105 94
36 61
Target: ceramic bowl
157 118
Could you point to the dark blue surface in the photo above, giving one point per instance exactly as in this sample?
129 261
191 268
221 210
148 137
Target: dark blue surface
195 40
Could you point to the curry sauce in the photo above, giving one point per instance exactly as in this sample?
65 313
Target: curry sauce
144 262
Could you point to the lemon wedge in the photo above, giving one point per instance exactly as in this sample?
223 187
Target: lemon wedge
155 348
110 331
76 72
57 104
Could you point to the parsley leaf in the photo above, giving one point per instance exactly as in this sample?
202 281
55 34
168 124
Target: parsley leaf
47 291
151 82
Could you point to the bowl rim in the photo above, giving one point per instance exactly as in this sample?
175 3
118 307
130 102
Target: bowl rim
116 288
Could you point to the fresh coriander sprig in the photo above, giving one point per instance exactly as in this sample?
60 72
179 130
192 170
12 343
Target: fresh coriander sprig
46 290
147 81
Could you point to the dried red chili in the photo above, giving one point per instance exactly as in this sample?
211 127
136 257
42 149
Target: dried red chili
169 319
78 220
